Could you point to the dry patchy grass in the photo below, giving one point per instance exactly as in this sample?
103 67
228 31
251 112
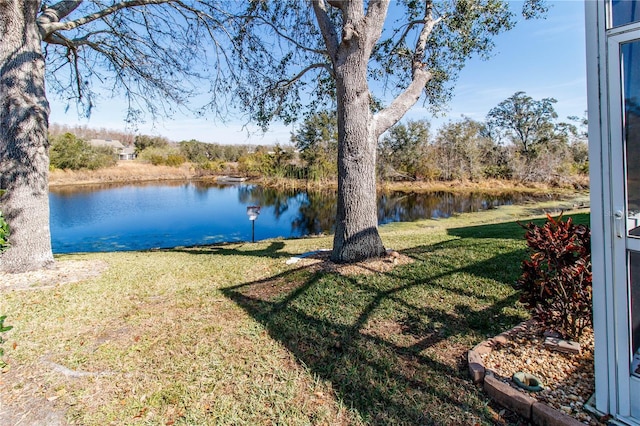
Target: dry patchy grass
124 171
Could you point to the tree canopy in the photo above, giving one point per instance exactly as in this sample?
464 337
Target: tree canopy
524 121
157 53
290 50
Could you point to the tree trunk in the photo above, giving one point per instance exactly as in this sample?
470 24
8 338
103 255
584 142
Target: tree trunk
24 160
356 237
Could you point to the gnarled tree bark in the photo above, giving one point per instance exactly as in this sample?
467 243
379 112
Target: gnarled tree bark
24 160
84 39
356 236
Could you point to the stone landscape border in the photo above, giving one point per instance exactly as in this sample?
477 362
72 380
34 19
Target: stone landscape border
537 412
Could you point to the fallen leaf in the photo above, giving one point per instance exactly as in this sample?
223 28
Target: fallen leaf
140 413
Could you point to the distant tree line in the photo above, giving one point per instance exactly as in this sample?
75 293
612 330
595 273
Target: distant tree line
70 149
521 139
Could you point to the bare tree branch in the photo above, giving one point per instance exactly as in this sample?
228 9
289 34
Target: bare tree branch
402 103
282 85
152 54
326 27
420 77
375 17
408 27
286 37
427 29
48 24
56 12
288 82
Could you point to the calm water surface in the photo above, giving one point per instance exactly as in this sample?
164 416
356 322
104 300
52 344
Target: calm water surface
143 216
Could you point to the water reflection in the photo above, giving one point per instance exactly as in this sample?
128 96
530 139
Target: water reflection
277 199
149 215
316 214
405 207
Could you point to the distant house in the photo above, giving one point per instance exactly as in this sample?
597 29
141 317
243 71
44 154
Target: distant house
128 153
123 152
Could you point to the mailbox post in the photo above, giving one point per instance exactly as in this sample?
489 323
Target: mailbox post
253 212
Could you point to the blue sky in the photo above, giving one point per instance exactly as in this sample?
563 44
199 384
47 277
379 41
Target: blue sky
544 58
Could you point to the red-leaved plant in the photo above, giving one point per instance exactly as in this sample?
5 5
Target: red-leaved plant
556 280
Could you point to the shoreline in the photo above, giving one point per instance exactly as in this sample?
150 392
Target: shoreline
130 172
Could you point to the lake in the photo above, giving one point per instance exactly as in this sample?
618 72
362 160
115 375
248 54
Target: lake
114 217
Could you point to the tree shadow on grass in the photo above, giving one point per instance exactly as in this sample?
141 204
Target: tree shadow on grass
392 345
509 230
273 250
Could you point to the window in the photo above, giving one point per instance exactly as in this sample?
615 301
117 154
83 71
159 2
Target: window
623 12
634 277
630 63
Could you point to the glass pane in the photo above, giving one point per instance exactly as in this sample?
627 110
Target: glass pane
630 62
624 12
634 283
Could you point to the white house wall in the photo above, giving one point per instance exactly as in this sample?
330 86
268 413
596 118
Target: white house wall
614 386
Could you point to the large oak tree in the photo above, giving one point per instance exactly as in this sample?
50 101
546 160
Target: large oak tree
370 60
153 51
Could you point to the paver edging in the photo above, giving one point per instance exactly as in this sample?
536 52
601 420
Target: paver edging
537 412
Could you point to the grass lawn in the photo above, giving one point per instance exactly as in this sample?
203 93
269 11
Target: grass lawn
231 334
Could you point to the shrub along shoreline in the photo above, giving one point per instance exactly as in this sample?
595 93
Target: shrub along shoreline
128 172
